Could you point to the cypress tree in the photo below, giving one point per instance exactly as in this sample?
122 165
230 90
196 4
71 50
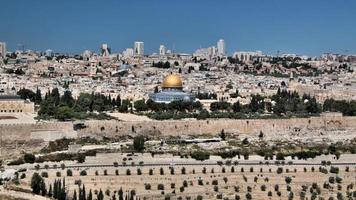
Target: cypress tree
90 195
121 194
38 96
55 189
63 194
59 189
50 192
36 182
100 195
74 195
80 193
118 101
43 188
84 193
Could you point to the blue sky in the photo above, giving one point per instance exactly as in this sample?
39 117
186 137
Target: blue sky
292 26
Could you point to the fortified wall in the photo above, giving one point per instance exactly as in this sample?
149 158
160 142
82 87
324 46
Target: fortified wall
36 131
326 124
296 127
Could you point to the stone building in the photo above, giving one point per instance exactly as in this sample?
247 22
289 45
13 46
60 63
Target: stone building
14 104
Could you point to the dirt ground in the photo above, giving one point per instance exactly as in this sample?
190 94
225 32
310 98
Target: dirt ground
261 175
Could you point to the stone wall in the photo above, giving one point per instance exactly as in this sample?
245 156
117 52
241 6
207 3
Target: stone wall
294 127
270 127
24 131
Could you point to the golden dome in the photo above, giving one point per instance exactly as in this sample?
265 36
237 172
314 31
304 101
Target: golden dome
172 81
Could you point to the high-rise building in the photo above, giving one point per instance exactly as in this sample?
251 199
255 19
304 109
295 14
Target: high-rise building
129 52
2 49
207 53
221 47
86 55
49 53
105 50
139 48
162 50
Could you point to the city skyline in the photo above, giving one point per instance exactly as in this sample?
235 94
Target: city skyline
303 27
173 100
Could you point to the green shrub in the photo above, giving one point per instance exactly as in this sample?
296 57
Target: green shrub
200 155
69 172
83 173
160 186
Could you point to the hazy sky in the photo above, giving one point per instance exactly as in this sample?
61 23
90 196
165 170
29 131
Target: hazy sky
291 26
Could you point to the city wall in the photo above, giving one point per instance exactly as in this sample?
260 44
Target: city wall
271 128
314 126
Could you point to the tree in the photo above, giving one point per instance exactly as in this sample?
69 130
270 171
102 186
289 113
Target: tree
64 113
84 103
160 186
55 97
90 195
140 105
36 183
100 195
118 101
200 155
288 179
120 193
50 192
254 104
81 158
260 135
280 156
83 173
245 141
222 134
29 158
156 89
26 94
38 96
236 107
74 195
248 196
220 105
69 172
67 99
124 108
43 188
183 170
139 143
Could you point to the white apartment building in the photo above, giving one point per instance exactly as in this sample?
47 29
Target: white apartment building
221 47
139 48
129 52
206 53
246 56
2 49
105 51
162 50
